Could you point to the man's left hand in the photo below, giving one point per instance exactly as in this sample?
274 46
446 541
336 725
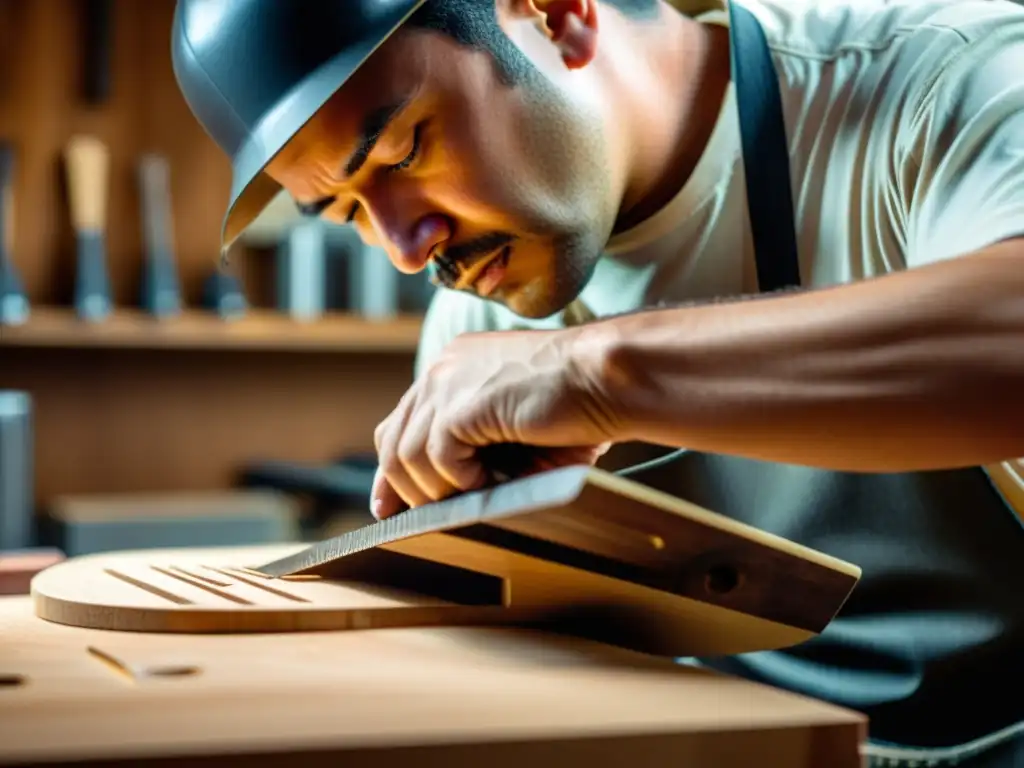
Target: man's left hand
536 388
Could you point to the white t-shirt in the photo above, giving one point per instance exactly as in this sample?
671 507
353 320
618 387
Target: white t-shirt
906 130
905 121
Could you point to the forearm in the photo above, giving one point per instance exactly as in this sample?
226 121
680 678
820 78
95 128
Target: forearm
918 370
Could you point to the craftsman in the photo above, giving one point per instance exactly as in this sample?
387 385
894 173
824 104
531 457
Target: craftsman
562 165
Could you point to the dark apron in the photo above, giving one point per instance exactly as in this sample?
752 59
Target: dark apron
931 643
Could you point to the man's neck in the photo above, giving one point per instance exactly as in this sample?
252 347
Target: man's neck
673 114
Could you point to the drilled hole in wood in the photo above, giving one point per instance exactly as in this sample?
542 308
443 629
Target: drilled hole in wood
11 681
721 579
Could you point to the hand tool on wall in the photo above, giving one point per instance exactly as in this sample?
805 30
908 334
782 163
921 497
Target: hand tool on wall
337 292
87 163
359 279
324 266
13 301
301 270
97 46
161 293
17 474
222 293
373 281
299 261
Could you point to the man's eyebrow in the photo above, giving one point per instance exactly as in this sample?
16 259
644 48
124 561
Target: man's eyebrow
374 125
314 209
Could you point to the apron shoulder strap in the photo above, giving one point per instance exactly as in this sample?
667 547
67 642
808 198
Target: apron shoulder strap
765 153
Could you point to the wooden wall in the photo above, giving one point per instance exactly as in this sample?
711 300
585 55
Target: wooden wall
41 107
130 406
113 420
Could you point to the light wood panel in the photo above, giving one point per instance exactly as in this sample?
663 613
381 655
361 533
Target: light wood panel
212 590
425 697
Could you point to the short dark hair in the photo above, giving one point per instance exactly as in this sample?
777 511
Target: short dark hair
474 24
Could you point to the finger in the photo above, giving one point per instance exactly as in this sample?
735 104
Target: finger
384 501
417 457
385 429
398 483
458 463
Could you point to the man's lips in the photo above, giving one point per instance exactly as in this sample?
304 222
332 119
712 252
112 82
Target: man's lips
486 274
481 270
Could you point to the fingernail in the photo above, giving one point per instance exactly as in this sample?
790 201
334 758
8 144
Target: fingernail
375 508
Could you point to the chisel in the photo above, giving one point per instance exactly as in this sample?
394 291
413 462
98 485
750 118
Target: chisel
459 515
13 301
222 293
514 487
87 163
97 46
161 294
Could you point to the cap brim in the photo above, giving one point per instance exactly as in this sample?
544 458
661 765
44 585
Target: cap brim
251 188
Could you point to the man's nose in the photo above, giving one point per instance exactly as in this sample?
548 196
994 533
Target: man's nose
410 247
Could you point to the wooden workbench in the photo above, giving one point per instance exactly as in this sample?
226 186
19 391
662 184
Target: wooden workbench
398 697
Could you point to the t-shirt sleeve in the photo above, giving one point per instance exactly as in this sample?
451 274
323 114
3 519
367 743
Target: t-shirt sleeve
450 314
963 169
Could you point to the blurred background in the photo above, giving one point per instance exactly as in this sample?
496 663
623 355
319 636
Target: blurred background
148 395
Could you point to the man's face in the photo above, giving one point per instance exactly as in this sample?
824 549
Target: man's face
506 188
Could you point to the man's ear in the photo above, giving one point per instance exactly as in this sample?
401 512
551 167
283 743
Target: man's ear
570 24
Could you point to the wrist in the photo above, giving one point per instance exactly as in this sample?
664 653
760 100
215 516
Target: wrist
596 355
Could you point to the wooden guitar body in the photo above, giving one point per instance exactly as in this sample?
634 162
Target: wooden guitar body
574 550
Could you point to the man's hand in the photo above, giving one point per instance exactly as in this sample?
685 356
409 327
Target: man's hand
535 388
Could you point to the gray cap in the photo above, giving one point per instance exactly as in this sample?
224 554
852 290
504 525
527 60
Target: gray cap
253 72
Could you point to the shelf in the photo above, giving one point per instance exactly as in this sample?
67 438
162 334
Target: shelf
258 330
